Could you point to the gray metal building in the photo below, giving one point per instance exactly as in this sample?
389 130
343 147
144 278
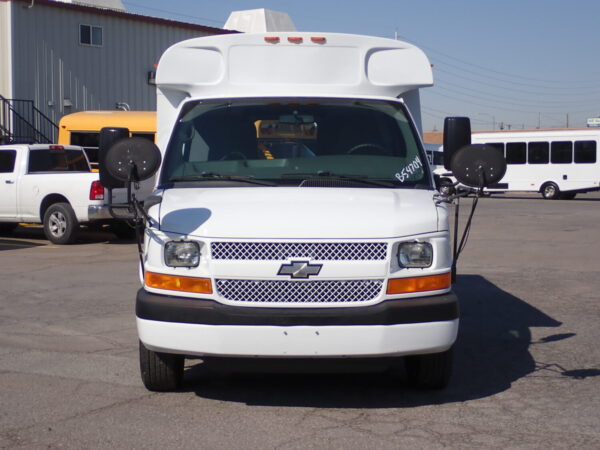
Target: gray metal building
58 57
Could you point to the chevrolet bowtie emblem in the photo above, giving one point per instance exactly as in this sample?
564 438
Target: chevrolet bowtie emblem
299 269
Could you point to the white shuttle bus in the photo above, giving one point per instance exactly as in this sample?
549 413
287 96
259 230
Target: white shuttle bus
295 214
555 163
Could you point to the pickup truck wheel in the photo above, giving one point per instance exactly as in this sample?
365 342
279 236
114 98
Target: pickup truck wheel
160 371
60 224
430 371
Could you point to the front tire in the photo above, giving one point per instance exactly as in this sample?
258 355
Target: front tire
550 191
160 371
60 224
430 371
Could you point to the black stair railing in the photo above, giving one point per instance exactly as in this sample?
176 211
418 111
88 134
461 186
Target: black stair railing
22 122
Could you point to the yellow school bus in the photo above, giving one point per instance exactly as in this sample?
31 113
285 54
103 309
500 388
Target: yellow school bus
83 128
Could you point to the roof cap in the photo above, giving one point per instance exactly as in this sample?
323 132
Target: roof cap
259 21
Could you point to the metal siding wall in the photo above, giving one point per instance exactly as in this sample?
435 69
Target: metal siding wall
52 66
5 56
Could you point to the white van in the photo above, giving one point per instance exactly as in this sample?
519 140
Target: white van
295 213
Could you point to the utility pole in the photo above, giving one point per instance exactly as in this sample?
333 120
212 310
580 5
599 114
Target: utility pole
567 120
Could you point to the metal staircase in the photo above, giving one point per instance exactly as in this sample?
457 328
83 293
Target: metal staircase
22 122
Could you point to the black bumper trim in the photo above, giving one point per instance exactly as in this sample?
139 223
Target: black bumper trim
166 308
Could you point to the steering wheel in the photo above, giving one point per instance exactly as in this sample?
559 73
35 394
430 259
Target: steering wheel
233 156
368 147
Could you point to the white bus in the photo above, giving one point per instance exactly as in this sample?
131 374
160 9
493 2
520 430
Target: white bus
556 163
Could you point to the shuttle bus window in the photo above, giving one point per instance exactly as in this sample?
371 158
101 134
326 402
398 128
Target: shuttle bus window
516 153
538 153
497 145
585 152
561 152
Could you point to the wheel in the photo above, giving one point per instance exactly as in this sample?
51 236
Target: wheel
160 371
60 224
122 229
7 227
430 371
550 191
368 148
568 195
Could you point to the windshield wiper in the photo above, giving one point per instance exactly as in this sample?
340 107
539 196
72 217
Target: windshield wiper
327 174
212 176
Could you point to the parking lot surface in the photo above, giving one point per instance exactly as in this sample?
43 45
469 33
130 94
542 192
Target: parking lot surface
527 368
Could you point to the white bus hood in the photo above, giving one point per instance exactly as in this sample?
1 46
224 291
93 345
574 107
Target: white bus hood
299 213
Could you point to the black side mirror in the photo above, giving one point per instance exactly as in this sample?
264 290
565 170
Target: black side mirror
132 160
478 166
109 136
457 134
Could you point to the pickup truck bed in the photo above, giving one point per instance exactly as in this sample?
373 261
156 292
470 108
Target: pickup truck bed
53 185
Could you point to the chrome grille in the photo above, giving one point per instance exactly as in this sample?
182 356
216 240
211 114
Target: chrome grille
282 251
272 291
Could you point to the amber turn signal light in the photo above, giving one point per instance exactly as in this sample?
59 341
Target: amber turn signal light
178 283
418 284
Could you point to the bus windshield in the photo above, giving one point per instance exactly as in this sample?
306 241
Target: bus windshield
287 141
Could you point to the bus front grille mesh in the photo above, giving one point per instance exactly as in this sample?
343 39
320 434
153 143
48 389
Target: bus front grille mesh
316 251
318 292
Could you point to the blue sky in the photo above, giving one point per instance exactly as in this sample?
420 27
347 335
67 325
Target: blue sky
520 63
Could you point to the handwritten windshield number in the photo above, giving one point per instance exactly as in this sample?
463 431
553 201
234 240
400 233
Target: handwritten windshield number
409 170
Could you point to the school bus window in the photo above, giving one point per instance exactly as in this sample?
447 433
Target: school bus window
89 142
516 153
585 152
149 136
538 153
561 152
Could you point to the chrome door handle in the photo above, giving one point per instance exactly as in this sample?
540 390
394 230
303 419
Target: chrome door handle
9 181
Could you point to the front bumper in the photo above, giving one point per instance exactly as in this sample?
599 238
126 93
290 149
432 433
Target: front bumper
207 328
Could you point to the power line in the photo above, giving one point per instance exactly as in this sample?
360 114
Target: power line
485 95
483 105
549 91
487 69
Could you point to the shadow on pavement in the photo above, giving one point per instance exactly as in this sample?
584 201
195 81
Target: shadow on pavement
491 353
87 235
15 244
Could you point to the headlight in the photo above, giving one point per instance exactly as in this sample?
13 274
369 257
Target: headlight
182 254
415 254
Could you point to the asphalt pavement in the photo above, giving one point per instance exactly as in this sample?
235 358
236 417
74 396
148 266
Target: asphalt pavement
527 369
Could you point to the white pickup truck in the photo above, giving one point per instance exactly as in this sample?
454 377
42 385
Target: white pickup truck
53 185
